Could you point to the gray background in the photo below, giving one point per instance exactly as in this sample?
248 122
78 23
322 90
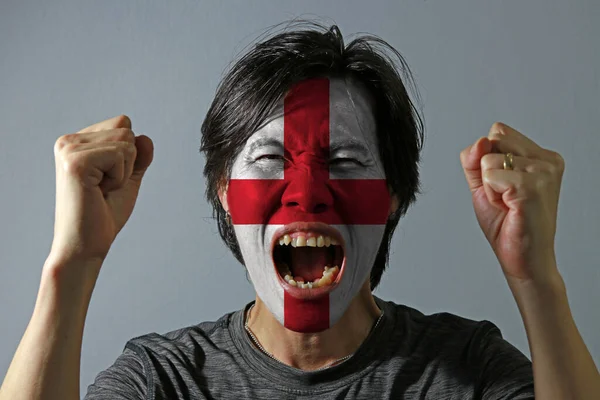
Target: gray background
65 65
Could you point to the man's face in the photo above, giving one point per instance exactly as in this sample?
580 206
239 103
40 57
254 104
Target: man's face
309 202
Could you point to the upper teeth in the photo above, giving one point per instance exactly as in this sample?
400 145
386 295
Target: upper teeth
302 240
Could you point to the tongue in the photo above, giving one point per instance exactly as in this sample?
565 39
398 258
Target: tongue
308 262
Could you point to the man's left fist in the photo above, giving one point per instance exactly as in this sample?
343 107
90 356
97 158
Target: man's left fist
516 209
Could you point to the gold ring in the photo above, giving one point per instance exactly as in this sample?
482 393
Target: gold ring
508 161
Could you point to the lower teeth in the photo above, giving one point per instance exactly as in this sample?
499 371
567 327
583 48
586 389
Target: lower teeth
329 275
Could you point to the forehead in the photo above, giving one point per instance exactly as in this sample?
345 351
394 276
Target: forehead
350 116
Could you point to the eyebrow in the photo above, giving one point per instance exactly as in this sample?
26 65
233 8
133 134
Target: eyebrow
263 142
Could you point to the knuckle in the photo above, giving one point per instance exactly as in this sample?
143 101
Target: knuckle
68 148
555 162
124 134
58 145
498 127
120 157
495 138
62 141
540 185
129 150
74 163
487 161
123 121
132 149
560 161
535 168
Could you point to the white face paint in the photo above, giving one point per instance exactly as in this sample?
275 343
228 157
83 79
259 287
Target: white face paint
267 194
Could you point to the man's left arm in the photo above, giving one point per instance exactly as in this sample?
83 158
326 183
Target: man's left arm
563 367
515 187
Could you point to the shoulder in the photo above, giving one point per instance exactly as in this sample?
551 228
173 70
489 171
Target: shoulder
440 333
183 340
461 350
446 322
150 359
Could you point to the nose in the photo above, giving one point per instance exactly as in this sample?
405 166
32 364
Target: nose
307 190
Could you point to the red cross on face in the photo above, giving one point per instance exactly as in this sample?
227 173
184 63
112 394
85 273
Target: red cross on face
313 188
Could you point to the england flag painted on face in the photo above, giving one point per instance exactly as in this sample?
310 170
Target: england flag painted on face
314 174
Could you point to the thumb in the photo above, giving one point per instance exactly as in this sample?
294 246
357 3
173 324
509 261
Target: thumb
145 155
470 158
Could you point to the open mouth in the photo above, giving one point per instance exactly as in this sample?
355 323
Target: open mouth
307 258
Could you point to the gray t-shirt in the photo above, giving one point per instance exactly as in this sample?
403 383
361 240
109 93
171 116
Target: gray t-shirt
407 356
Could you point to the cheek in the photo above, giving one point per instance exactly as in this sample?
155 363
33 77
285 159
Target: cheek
362 243
252 201
361 201
255 244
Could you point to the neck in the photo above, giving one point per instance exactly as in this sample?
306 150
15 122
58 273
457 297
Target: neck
310 351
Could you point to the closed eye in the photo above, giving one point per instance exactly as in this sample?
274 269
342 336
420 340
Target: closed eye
345 160
270 157
339 161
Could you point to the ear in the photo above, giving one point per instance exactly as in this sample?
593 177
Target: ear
394 203
222 192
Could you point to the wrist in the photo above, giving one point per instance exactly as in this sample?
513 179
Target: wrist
543 278
548 284
68 284
541 300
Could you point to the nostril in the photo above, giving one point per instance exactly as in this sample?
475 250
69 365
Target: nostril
316 209
320 208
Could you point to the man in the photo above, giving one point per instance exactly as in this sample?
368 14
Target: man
312 151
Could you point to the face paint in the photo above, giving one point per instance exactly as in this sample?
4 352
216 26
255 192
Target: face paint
314 169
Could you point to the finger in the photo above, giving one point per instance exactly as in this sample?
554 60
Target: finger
508 131
129 151
470 159
506 139
145 155
108 165
523 164
506 144
120 121
502 186
113 135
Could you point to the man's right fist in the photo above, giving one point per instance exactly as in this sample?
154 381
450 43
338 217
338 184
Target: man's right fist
99 171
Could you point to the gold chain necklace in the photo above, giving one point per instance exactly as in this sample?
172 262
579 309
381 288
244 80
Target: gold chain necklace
331 364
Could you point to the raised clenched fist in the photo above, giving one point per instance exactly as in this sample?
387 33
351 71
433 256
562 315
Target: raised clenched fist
99 171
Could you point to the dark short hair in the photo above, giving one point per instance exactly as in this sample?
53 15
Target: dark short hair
254 85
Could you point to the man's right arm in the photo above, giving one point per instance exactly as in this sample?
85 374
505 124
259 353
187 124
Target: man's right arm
99 171
46 363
